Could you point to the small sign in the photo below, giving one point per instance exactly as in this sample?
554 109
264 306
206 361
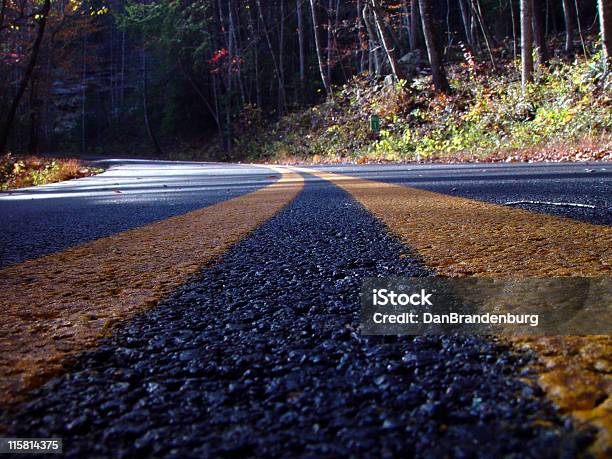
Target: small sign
375 123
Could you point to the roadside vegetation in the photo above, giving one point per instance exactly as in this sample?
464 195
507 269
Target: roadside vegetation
23 171
566 114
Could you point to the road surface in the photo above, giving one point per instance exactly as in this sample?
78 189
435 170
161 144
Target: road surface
255 349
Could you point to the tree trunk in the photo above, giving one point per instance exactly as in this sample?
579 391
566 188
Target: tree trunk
330 46
466 19
255 50
83 95
513 19
281 59
486 33
488 38
414 25
111 73
214 113
315 26
2 14
145 104
386 41
44 14
300 30
362 42
374 55
236 51
274 61
570 25
229 86
539 36
605 28
438 72
526 43
34 117
122 96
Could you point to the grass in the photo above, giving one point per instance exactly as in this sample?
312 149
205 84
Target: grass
24 171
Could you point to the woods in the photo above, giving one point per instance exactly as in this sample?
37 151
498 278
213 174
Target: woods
96 75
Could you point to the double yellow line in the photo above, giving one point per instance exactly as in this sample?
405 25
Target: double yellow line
54 306
462 237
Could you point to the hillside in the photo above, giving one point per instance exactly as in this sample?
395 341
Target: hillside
565 115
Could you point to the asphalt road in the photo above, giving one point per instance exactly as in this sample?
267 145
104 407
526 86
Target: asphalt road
131 193
259 355
531 185
41 220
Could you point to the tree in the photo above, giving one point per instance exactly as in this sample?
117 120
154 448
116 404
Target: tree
570 25
302 57
319 51
214 69
42 16
526 43
438 72
414 25
386 41
145 102
375 64
466 19
605 27
488 38
539 36
277 68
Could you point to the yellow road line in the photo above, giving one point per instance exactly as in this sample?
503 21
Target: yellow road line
462 237
56 305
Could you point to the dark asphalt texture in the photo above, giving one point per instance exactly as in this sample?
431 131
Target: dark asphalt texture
50 218
260 356
568 183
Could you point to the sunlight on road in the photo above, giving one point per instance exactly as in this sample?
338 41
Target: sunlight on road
139 179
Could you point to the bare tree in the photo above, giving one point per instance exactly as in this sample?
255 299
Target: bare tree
360 36
315 26
281 64
386 41
570 25
145 102
486 34
375 64
466 18
414 25
330 36
43 15
605 27
526 43
438 71
300 30
2 14
277 71
539 36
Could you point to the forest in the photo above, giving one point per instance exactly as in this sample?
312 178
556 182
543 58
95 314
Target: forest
274 79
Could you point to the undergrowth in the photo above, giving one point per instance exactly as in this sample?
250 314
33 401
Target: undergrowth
19 172
485 112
